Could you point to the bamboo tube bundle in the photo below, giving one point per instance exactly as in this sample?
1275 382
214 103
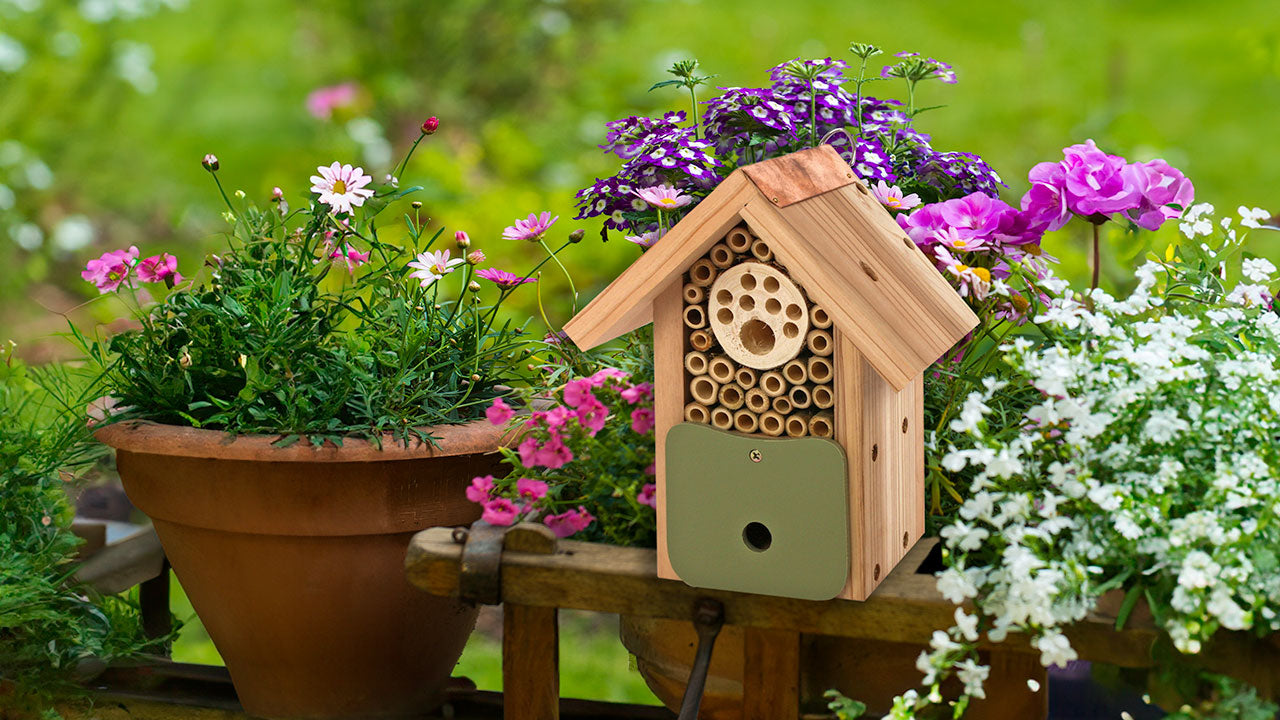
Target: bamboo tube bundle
704 390
800 397
721 418
820 370
795 372
731 396
696 363
745 421
819 318
756 401
721 369
695 317
772 383
703 272
746 377
695 413
782 405
760 249
739 240
823 397
772 423
797 425
721 256
819 342
822 425
701 340
694 294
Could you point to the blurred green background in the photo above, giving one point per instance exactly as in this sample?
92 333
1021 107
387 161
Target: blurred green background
106 107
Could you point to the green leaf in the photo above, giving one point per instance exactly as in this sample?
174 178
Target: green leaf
1126 608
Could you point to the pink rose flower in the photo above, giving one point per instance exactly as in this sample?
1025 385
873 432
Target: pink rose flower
499 413
569 522
499 511
480 489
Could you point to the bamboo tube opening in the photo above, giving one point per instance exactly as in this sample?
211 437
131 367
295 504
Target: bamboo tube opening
695 413
722 418
745 421
795 372
820 370
701 340
695 317
702 273
782 405
731 396
821 425
800 397
746 377
696 363
819 342
823 397
721 256
721 369
739 240
756 401
798 425
760 249
773 384
693 294
819 318
771 423
704 390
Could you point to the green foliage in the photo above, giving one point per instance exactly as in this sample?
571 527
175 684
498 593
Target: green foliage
48 624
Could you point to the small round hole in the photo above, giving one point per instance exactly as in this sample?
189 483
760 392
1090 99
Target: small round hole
875 453
724 297
790 330
757 537
756 337
877 572
794 312
771 284
748 281
904 425
746 302
724 316
772 306
906 540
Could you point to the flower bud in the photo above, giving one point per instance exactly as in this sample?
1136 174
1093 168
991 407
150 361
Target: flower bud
463 240
475 257
577 235
240 195
229 217
430 125
416 205
277 194
473 286
210 162
185 360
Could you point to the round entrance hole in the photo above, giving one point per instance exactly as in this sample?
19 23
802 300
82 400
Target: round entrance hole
757 536
757 337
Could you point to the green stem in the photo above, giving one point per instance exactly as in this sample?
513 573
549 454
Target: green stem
813 116
563 269
405 162
693 101
1097 256
222 192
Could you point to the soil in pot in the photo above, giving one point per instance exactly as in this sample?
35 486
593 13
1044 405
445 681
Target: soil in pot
294 559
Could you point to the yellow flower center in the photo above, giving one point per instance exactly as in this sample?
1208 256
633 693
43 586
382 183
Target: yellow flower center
667 201
983 274
339 187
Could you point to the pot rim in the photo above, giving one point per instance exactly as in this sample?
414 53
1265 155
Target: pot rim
145 437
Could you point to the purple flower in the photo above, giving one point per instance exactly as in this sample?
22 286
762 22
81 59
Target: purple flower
1046 202
1095 181
531 229
1166 192
502 278
113 269
159 268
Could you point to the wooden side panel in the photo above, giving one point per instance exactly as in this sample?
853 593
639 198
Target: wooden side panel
530 662
669 391
849 431
791 178
625 304
770 674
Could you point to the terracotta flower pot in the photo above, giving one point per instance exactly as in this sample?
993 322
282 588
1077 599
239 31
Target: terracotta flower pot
294 559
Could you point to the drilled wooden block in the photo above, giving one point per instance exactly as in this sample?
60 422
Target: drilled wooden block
758 315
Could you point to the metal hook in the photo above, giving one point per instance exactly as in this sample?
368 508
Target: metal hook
708 618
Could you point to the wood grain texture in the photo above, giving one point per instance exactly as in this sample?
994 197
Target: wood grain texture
530 662
669 397
771 674
627 303
800 175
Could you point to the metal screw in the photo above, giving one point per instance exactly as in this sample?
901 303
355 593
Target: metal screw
773 199
755 456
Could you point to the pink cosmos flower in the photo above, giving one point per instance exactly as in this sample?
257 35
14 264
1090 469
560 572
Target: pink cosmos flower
475 257
952 239
531 229
341 187
569 522
321 102
431 266
159 268
111 270
504 279
499 511
663 197
638 393
646 240
352 257
499 413
480 489
648 495
642 420
891 197
531 490
462 239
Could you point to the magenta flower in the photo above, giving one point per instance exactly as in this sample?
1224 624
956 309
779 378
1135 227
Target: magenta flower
321 102
462 239
642 420
1166 192
663 197
569 522
1095 181
111 270
499 511
503 279
159 268
350 256
592 415
648 495
645 240
475 257
341 187
431 266
952 239
975 215
499 413
891 197
578 391
923 225
1046 202
638 393
603 375
556 416
480 488
531 229
531 490
554 454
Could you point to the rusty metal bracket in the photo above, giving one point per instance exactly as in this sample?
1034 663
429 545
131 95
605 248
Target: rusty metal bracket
480 570
708 618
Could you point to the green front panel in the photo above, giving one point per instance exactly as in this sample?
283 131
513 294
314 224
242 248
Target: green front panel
757 514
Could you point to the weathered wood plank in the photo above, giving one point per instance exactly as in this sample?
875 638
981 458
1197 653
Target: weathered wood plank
801 175
771 674
530 662
669 398
121 565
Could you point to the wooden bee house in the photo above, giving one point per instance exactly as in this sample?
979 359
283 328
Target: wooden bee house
793 322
